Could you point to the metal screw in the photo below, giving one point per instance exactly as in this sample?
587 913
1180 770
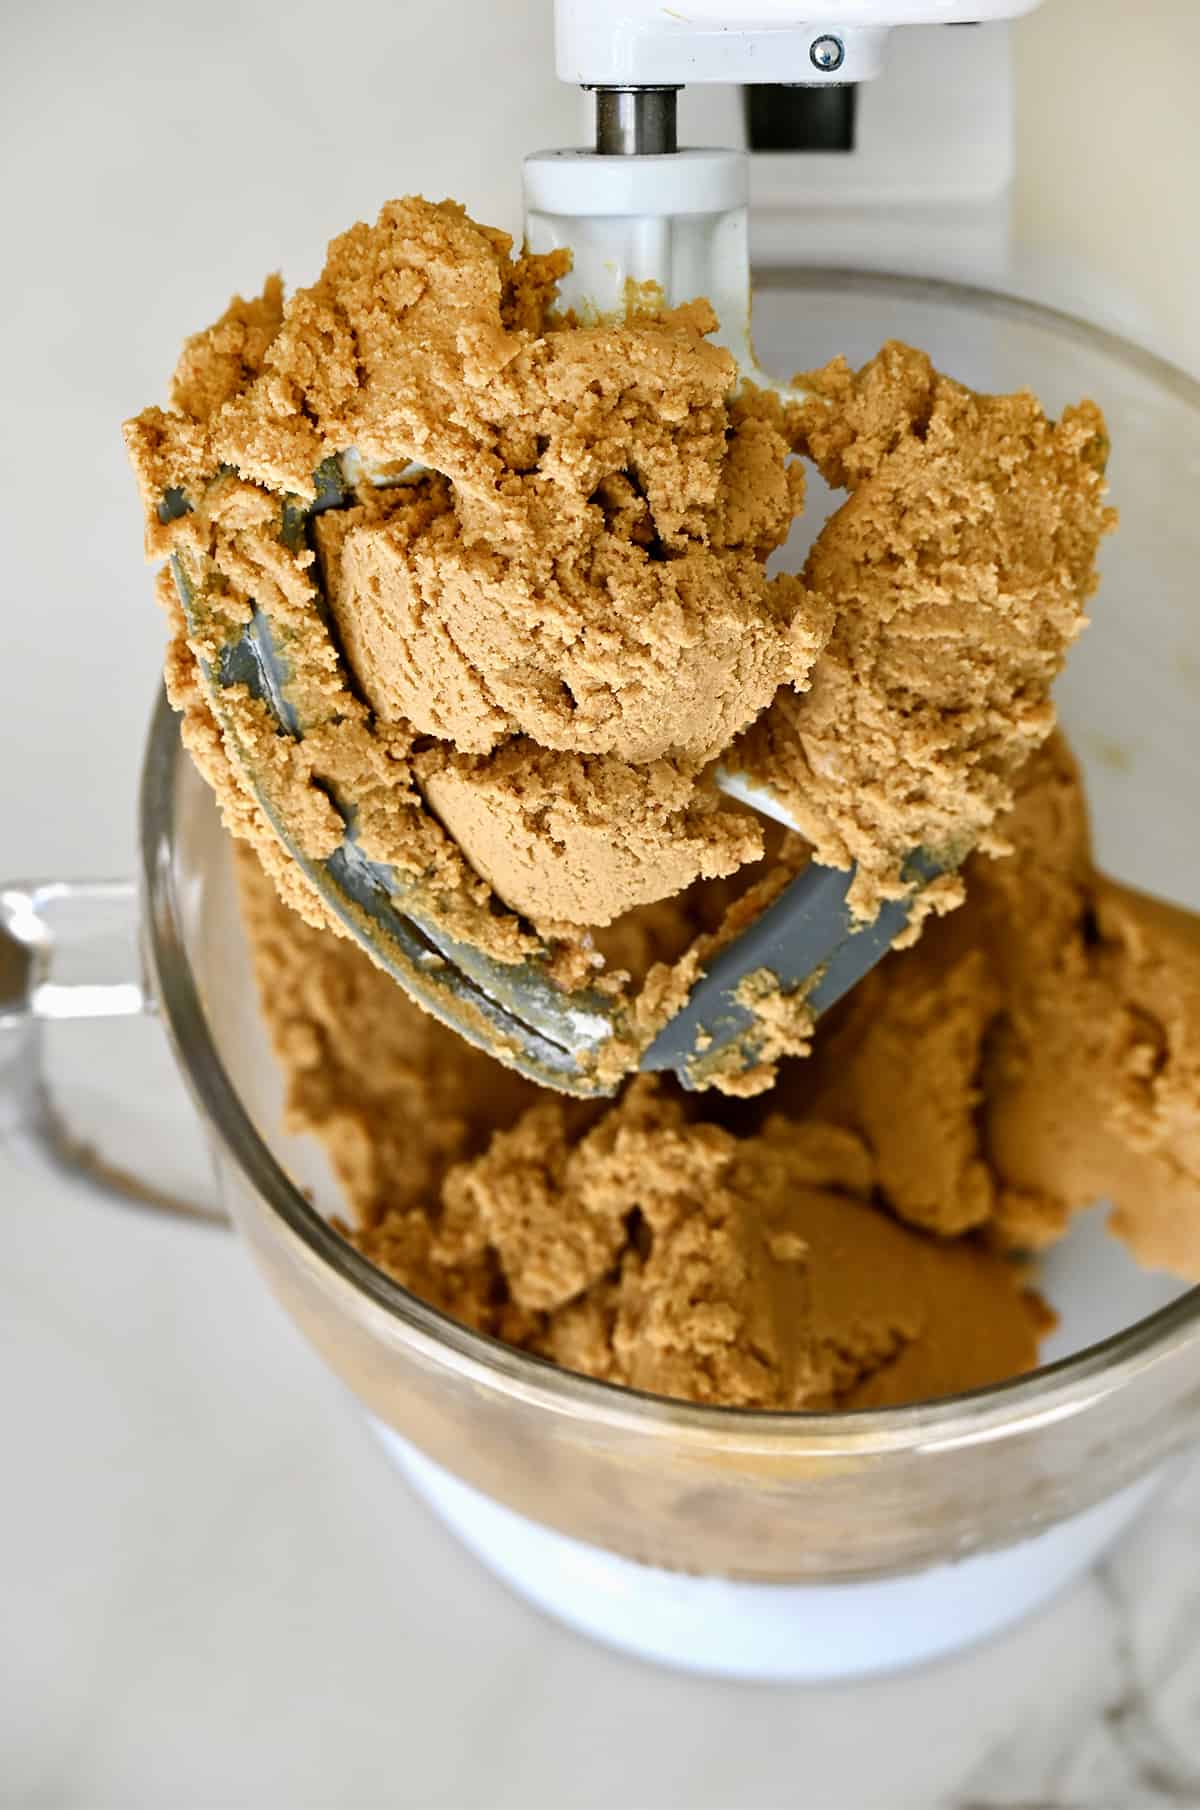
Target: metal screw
827 53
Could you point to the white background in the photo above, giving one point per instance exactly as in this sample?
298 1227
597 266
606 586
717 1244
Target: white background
214 1591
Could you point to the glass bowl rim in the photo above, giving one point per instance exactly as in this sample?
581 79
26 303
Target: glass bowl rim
1052 1392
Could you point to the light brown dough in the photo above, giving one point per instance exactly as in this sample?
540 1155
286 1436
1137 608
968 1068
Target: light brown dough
583 838
838 1244
632 1241
533 652
580 571
957 571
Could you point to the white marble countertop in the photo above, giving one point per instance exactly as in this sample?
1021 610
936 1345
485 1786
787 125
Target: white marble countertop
216 1591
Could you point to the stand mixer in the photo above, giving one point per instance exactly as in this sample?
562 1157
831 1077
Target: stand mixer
785 1547
637 214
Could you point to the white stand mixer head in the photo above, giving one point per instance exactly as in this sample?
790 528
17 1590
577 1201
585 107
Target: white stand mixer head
635 210
640 43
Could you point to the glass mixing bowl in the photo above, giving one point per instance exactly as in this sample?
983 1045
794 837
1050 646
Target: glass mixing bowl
684 1492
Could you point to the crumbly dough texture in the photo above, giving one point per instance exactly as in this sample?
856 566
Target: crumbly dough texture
957 573
1057 1023
580 573
635 1242
540 828
850 1240
516 667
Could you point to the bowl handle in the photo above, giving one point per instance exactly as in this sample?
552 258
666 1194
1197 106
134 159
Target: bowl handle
69 950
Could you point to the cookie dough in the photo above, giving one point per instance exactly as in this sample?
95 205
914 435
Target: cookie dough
544 609
957 574
514 649
580 838
639 1242
578 570
1057 1023
850 1240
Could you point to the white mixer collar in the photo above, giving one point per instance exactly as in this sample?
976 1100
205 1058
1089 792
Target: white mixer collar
581 184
